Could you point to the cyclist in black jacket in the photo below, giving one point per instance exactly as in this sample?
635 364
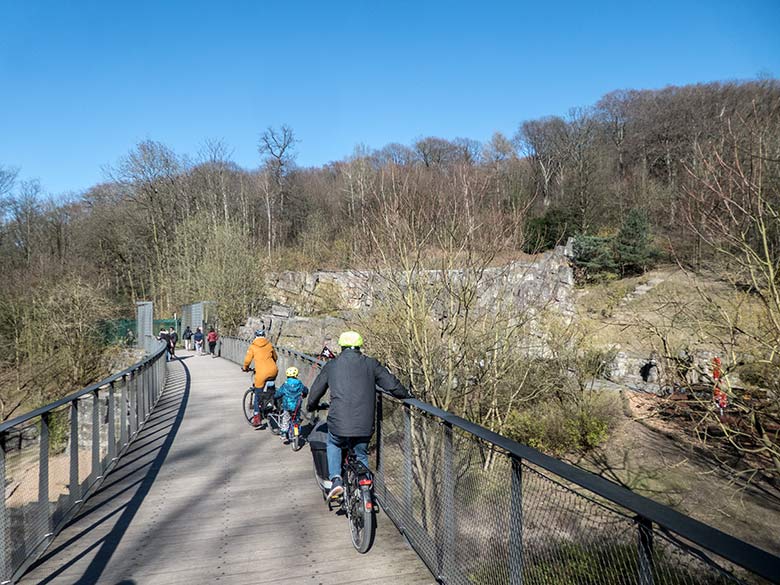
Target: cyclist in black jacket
352 379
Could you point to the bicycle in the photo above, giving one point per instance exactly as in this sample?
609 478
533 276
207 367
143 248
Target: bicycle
357 502
294 427
260 400
277 419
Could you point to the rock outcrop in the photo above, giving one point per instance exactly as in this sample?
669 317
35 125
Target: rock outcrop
310 309
543 280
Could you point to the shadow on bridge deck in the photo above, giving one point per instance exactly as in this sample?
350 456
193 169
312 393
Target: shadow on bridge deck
200 497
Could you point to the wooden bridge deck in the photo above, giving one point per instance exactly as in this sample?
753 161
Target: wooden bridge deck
200 497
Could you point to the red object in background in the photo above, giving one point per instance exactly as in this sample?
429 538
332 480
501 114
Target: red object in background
716 371
718 395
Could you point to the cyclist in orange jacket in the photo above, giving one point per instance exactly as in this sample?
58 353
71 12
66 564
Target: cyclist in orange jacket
264 355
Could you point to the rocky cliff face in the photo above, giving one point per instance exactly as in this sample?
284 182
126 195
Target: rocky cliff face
545 279
311 309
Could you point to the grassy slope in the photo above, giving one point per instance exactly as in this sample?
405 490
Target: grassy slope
654 457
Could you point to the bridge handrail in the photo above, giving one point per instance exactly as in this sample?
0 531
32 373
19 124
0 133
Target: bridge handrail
16 421
73 442
716 541
647 512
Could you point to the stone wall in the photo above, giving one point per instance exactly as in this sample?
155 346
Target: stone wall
311 309
543 280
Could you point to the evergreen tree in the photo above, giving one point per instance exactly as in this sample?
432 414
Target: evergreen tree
633 250
594 256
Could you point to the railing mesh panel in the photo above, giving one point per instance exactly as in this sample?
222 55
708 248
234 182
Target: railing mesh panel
85 442
26 524
52 461
59 463
453 494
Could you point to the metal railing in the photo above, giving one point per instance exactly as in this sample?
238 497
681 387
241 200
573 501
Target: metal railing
482 509
53 458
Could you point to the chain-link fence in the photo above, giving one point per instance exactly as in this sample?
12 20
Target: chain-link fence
481 509
53 458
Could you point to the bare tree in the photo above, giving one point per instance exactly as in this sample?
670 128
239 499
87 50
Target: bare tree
541 141
734 207
8 176
277 149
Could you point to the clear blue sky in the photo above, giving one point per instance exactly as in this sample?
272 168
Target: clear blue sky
82 82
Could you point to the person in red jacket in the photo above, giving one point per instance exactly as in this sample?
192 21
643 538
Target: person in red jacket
212 339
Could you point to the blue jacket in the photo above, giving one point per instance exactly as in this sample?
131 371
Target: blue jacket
290 392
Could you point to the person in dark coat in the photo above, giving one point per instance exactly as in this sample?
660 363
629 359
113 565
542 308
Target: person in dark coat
166 339
352 379
187 337
173 338
198 339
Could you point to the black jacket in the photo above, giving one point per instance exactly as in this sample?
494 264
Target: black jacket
352 379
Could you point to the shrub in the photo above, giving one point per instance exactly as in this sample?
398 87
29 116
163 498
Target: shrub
559 427
594 257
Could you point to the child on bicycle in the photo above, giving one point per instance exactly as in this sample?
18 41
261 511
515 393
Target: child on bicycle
291 394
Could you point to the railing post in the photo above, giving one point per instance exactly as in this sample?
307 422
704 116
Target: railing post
516 523
74 486
145 391
43 478
111 423
446 546
152 387
141 387
155 384
380 464
132 390
123 413
5 541
408 509
96 471
149 390
379 434
645 550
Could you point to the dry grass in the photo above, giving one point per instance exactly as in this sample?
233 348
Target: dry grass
631 313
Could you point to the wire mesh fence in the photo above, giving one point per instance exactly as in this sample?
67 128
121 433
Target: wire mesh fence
480 509
453 492
53 458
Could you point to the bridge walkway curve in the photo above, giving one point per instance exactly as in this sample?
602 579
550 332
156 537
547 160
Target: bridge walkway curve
201 497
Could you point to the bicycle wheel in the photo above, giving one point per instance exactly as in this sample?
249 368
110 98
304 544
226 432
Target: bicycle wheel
295 438
249 410
361 519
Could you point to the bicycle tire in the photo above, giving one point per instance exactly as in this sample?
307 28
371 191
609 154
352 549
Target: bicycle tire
295 440
249 409
362 524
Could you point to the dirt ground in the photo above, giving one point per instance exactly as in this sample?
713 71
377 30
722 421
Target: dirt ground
654 458
22 486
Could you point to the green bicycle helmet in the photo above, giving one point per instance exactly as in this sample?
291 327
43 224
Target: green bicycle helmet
350 339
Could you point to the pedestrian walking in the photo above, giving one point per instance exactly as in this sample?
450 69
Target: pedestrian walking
187 337
197 337
166 339
173 338
212 339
